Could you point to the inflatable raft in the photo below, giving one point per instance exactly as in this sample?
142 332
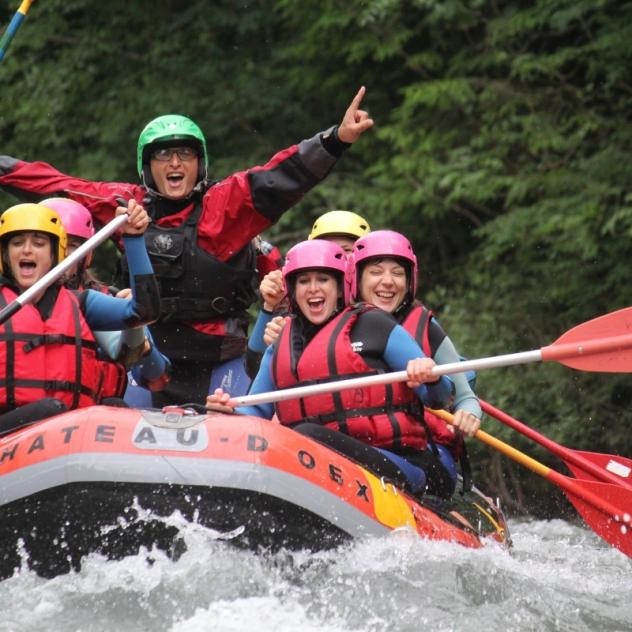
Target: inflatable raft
76 483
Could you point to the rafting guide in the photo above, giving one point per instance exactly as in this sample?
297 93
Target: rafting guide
200 239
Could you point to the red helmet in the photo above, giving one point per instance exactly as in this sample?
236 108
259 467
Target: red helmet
383 244
317 254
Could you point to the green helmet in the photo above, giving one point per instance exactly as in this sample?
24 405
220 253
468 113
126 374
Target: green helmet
166 128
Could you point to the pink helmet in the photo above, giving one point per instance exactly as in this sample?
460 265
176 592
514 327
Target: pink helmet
75 217
382 244
317 254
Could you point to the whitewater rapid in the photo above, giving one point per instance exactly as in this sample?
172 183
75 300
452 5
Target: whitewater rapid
557 576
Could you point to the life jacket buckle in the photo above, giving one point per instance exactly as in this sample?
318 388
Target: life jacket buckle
220 304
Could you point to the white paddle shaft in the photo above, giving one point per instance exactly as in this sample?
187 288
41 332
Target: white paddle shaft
55 273
386 378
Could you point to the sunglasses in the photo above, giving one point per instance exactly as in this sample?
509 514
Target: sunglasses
165 153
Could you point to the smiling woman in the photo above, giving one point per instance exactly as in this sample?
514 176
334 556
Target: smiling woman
30 257
324 338
316 293
48 352
383 283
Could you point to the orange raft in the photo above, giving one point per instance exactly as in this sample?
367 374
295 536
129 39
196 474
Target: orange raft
100 479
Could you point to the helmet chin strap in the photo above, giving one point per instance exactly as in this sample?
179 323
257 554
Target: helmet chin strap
403 306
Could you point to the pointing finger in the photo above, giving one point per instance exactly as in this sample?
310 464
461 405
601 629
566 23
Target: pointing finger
355 104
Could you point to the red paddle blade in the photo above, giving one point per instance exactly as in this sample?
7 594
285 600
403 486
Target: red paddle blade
603 344
620 466
616 530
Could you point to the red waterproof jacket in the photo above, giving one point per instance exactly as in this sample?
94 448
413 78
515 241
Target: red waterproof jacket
234 210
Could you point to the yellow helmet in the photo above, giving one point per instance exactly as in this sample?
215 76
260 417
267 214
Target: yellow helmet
35 217
339 223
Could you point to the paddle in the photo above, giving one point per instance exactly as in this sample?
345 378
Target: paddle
601 344
606 508
55 273
600 467
14 25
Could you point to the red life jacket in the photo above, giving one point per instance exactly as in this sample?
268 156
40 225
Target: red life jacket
417 324
48 358
382 415
114 377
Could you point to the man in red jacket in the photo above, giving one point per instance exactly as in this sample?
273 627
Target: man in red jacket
200 239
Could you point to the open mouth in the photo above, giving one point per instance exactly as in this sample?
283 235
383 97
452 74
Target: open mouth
316 305
27 270
175 178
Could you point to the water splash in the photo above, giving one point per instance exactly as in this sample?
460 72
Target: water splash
558 577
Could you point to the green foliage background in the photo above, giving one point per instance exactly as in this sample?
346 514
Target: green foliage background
501 147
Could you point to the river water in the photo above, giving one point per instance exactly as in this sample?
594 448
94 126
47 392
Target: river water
557 577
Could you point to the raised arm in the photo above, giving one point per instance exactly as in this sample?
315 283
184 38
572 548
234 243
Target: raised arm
34 181
107 312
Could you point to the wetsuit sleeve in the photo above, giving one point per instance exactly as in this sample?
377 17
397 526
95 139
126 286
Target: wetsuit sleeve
132 345
400 348
152 367
106 313
121 346
263 383
464 397
256 345
255 340
34 181
109 341
238 208
145 292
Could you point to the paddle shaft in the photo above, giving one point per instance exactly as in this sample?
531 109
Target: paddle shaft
384 378
13 27
57 272
564 453
608 351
